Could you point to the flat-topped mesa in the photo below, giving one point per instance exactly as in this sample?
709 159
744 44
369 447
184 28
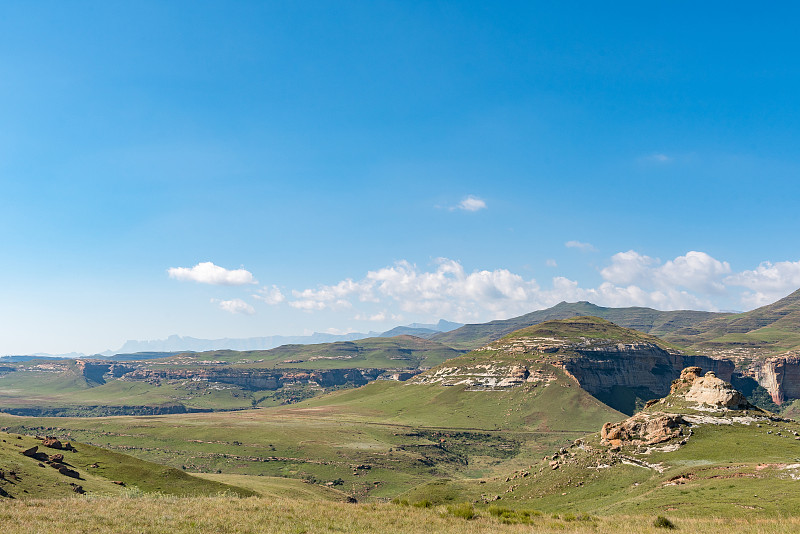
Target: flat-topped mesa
619 366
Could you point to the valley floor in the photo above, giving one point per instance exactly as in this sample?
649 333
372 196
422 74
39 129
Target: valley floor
176 515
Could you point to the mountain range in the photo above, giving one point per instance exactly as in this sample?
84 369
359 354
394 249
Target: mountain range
177 343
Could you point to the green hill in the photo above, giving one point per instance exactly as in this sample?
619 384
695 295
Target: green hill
648 320
680 457
377 440
48 472
771 328
378 352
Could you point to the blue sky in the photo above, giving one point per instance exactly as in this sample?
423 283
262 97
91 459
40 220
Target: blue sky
235 169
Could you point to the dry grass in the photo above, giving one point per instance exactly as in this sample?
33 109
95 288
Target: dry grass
174 515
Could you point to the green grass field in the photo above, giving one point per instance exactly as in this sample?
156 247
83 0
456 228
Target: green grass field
97 469
171 515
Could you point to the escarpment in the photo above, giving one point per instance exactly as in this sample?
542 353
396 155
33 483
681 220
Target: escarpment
261 379
780 376
638 365
619 366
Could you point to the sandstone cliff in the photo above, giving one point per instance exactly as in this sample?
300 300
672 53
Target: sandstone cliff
779 375
637 365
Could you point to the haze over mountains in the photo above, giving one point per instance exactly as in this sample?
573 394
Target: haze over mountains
177 343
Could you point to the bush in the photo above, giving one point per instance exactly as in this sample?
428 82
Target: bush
424 503
499 511
663 522
465 510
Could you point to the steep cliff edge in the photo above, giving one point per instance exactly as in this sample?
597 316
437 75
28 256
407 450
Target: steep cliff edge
621 367
780 376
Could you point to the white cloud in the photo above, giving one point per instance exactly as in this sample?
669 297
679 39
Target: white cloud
471 203
235 306
270 295
627 267
446 291
586 247
696 271
694 280
377 317
330 296
768 282
550 262
208 273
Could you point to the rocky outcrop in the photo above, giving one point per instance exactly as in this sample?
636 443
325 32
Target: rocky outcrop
98 370
710 391
780 376
643 429
490 375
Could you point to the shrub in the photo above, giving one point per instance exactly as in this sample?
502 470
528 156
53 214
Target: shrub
663 522
465 510
424 503
499 511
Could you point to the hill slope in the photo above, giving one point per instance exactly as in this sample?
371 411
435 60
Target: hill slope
700 451
771 328
620 366
48 470
646 320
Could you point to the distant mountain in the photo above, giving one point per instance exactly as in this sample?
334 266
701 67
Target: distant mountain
423 330
774 327
441 326
647 320
424 333
176 343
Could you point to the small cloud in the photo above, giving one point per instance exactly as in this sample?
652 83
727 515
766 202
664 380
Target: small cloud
339 331
657 158
208 273
551 262
470 203
235 306
270 295
585 247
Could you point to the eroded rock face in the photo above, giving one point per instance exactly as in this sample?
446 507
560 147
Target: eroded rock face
261 379
485 376
780 376
640 365
712 391
686 379
642 429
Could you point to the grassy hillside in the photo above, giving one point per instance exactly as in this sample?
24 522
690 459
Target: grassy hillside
286 515
648 320
95 469
771 328
583 328
401 434
379 353
677 457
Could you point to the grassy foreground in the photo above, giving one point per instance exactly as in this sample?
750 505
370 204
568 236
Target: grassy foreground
174 515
